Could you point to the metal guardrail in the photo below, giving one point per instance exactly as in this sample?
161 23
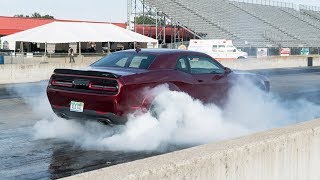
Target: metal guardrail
280 4
310 8
270 3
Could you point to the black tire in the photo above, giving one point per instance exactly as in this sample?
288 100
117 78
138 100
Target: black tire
153 111
262 87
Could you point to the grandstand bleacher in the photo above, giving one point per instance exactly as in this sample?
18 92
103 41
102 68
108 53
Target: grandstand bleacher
247 24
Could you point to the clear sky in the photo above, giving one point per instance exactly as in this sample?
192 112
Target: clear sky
91 10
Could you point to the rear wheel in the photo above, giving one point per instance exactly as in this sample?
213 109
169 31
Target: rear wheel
262 87
153 110
151 105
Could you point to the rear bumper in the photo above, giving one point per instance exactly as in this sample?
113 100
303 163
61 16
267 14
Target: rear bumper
108 118
99 107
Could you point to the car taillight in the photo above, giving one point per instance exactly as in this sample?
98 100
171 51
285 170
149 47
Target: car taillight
101 87
55 82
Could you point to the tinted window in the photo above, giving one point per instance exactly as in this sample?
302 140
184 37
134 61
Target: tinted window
204 65
231 48
214 48
126 60
141 62
122 62
221 48
182 65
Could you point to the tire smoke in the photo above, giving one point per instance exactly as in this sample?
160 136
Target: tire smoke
180 121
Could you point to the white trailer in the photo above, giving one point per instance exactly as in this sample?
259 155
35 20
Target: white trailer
217 48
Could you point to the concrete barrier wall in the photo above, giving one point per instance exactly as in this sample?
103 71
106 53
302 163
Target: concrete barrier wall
287 153
42 59
270 62
21 73
37 68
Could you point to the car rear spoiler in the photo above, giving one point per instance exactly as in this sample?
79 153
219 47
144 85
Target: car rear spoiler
86 73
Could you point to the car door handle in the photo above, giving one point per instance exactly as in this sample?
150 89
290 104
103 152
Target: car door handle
217 77
199 80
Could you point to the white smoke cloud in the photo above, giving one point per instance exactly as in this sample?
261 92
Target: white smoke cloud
183 121
35 96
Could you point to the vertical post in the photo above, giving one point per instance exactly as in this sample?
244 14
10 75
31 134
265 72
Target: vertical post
45 49
11 58
135 15
21 47
175 35
164 30
80 48
172 33
178 33
156 24
144 16
310 61
129 9
109 48
181 36
22 51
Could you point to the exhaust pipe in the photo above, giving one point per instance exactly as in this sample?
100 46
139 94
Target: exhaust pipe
64 116
106 121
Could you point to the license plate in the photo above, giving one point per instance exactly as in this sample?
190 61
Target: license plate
76 106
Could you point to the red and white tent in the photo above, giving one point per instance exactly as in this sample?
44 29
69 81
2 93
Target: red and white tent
72 32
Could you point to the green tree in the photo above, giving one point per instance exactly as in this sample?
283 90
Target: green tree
47 17
145 20
35 15
148 20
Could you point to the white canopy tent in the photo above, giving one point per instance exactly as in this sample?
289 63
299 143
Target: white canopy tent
77 32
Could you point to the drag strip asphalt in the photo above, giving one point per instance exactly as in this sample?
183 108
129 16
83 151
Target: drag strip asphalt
23 157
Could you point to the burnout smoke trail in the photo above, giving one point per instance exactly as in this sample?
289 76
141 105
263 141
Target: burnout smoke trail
181 120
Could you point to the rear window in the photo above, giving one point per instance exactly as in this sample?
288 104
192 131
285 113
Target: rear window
126 60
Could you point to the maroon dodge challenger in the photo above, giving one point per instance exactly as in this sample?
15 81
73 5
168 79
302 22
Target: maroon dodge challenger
115 85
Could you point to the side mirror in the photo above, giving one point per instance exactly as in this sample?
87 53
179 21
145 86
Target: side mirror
235 50
227 70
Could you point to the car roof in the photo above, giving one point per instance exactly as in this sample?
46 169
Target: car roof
160 51
166 58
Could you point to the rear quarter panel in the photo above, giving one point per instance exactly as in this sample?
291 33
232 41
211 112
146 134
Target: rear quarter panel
135 90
